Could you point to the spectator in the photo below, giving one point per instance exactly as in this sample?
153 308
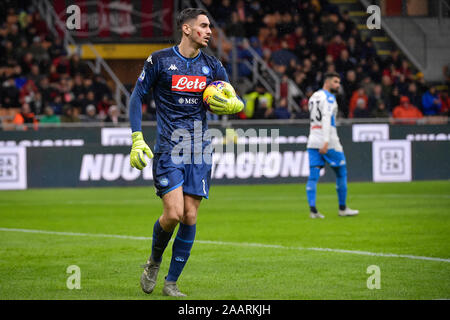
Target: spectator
380 111
77 66
350 84
302 51
91 114
394 98
223 12
28 92
281 111
376 97
406 111
49 116
262 111
89 99
361 109
386 85
319 48
70 114
25 116
37 104
336 46
445 103
413 95
103 106
349 24
431 103
252 100
57 104
343 64
100 88
368 51
114 115
357 95
304 110
368 85
236 27
9 94
283 56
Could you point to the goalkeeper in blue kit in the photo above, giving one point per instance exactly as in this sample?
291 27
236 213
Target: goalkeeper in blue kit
178 76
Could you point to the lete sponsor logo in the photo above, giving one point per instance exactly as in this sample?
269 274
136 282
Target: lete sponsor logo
188 83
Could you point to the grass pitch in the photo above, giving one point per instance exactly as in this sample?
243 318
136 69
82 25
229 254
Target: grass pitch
254 242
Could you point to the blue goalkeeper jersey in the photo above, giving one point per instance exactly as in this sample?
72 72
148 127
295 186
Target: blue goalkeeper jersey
178 85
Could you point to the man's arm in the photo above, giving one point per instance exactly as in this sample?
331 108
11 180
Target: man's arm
143 84
135 109
145 81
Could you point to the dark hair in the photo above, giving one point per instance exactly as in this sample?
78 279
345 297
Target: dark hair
329 75
189 14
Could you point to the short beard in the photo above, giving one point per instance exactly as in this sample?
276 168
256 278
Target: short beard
334 91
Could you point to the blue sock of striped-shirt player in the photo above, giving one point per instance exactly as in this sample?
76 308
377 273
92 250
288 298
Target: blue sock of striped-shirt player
341 186
181 250
311 187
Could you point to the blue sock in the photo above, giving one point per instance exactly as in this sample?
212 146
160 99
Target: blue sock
341 185
160 240
311 186
181 250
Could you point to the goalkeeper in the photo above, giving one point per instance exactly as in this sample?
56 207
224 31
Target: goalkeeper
178 76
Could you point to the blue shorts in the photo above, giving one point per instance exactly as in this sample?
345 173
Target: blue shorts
167 176
332 157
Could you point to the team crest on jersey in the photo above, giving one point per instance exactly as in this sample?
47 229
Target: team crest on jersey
206 70
188 83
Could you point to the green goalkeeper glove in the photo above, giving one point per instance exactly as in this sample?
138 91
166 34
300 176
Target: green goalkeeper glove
138 148
229 104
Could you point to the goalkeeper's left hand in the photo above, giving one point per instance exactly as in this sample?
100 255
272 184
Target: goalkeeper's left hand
229 104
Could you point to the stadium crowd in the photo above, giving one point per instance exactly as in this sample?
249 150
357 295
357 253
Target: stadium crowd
304 39
40 82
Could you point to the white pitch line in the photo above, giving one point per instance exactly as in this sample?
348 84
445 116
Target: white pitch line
236 244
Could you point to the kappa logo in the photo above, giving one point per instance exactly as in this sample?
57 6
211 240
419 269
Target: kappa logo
149 59
172 67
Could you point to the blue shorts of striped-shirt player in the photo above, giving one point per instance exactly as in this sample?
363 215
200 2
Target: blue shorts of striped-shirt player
332 157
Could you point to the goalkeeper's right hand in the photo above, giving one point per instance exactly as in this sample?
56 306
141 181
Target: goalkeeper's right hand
138 148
